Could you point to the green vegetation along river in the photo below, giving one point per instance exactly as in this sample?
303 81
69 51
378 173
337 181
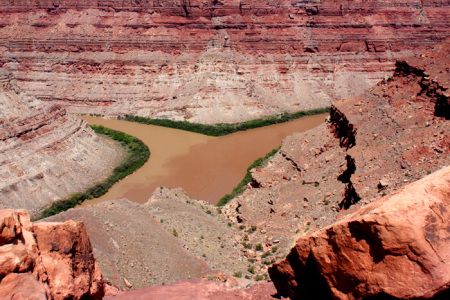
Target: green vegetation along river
205 167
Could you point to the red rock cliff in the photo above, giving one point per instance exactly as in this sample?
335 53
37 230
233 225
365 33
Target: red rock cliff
46 260
397 246
209 61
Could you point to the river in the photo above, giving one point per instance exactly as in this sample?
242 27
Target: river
207 168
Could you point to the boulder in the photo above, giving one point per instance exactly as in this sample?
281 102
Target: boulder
46 260
397 246
23 287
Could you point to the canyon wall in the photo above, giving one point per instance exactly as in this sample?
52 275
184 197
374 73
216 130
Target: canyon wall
209 61
371 145
46 154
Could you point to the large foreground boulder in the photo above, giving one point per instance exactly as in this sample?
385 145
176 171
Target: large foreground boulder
398 246
46 260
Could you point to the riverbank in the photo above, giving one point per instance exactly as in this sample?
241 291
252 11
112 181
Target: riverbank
205 167
222 129
138 154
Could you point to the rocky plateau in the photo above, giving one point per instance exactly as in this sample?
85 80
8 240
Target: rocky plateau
210 61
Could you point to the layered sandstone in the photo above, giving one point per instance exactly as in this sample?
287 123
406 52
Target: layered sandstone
45 154
397 246
209 61
46 260
372 145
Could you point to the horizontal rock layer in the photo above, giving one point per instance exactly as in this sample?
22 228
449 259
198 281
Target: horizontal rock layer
45 154
209 61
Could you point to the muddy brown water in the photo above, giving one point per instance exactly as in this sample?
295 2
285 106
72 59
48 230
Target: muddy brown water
205 167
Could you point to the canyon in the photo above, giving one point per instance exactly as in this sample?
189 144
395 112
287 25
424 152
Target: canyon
206 167
356 208
209 61
374 149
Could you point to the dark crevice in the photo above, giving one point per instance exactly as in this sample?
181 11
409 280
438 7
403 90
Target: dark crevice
350 195
351 168
255 184
342 128
431 91
292 162
442 107
309 283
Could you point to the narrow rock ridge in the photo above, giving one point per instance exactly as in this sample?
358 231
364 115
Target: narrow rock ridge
197 60
45 154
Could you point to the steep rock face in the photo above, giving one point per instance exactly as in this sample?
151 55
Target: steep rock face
371 145
396 246
209 61
46 260
45 154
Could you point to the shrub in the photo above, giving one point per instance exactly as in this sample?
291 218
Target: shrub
237 274
259 277
138 154
247 245
223 128
265 254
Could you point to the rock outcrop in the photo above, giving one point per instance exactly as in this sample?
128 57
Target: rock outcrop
372 145
199 289
210 61
46 260
45 154
397 246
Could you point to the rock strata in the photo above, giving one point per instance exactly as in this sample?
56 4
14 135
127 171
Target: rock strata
46 260
210 61
372 145
397 246
45 154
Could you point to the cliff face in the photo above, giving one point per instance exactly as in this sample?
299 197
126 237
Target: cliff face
45 154
209 61
395 247
372 145
46 260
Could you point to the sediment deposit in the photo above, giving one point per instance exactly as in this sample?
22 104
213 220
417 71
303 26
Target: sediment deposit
210 61
45 154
